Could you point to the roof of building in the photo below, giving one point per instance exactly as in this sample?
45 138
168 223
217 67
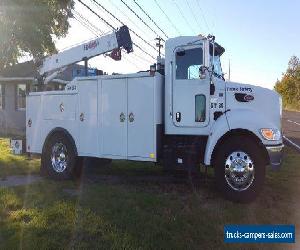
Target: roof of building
20 70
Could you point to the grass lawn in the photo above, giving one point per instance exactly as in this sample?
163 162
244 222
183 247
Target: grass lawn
104 212
15 165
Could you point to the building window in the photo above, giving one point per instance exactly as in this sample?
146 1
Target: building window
21 96
1 96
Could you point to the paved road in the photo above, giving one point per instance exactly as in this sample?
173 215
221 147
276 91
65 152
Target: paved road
291 128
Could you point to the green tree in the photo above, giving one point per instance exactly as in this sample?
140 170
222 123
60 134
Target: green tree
29 27
289 85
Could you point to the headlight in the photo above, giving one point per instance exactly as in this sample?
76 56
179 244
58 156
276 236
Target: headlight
270 134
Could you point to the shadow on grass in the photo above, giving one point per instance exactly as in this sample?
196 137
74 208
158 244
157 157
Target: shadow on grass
137 206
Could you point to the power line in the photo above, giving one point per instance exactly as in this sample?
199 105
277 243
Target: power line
128 18
193 14
150 18
141 58
101 12
111 26
203 15
133 63
139 17
107 23
139 47
88 25
89 28
167 17
96 2
85 25
87 22
183 16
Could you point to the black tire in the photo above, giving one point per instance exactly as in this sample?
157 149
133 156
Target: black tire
72 161
253 150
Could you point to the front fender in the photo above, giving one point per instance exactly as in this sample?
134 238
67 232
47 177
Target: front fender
252 121
237 119
218 129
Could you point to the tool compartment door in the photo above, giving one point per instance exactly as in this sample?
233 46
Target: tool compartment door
33 122
141 128
114 118
87 118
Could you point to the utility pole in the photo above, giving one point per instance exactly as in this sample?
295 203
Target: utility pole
85 66
159 45
160 66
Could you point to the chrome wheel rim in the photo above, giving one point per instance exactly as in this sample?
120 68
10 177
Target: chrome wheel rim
239 171
59 157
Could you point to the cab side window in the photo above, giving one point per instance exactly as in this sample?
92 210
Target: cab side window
188 62
200 108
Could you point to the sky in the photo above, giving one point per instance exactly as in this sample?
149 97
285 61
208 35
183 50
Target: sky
259 36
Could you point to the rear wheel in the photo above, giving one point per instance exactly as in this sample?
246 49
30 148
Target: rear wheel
239 169
59 157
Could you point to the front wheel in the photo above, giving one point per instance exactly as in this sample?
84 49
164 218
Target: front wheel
239 169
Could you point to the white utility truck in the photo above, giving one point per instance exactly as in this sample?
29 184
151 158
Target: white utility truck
181 112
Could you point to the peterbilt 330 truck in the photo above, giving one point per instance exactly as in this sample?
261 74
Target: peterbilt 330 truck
181 112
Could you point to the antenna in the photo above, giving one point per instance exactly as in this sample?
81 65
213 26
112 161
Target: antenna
229 71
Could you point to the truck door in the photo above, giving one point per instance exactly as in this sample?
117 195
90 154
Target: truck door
190 93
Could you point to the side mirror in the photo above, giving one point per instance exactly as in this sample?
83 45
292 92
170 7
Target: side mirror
202 72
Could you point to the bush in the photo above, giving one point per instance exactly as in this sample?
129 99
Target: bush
289 86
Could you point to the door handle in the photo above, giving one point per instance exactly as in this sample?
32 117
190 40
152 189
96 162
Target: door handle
131 117
178 116
122 117
81 117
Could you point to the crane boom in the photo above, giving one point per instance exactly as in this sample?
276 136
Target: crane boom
118 39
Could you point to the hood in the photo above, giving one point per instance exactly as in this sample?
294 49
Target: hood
262 101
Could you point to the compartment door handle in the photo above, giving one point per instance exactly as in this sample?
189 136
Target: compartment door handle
131 117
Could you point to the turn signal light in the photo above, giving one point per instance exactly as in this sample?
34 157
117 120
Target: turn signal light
270 134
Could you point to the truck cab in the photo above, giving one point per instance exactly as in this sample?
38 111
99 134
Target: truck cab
224 124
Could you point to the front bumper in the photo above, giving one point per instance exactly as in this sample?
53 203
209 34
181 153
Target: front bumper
275 155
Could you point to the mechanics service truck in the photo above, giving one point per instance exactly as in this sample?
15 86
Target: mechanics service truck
181 112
